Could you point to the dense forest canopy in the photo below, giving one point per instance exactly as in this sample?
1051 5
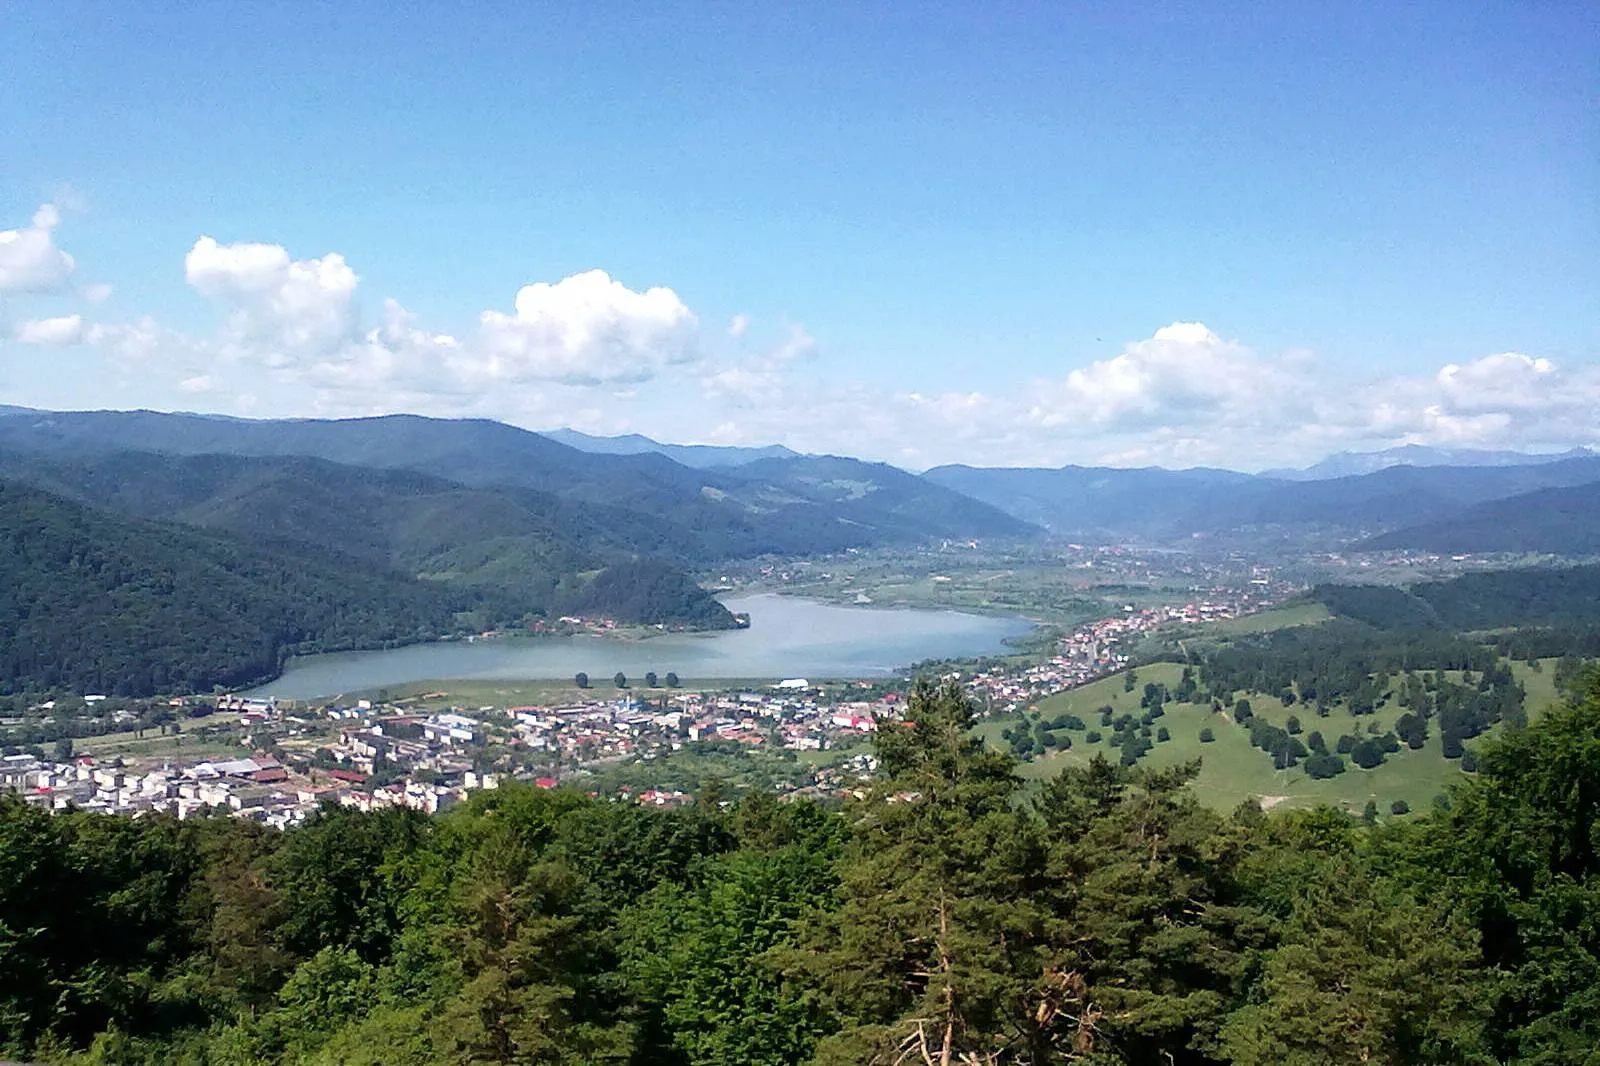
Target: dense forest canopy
797 505
945 916
1532 596
97 602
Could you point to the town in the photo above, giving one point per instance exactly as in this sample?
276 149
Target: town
428 754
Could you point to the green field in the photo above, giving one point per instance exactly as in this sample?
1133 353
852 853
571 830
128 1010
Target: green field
1299 614
154 747
1232 771
190 742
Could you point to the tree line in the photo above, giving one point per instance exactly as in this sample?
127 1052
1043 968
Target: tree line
945 916
95 602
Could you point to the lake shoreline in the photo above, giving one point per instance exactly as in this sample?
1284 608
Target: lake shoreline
789 636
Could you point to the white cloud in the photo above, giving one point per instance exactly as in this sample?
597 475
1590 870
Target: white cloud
199 383
145 343
52 332
1507 400
1182 397
298 322
282 310
395 354
585 329
97 293
763 379
574 351
29 258
1497 382
1183 373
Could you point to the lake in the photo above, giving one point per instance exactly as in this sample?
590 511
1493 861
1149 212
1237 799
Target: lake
788 637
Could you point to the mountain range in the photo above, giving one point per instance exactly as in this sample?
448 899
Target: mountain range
1168 505
505 501
779 506
1348 494
448 525
699 456
1563 521
184 532
1346 464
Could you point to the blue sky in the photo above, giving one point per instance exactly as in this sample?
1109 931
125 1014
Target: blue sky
1117 233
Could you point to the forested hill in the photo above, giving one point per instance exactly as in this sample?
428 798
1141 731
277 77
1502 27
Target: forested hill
1105 917
520 540
1168 504
1560 521
1566 597
645 590
98 602
104 603
781 506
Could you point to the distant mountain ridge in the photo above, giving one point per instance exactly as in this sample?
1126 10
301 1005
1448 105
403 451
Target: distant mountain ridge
699 456
137 538
1347 464
533 500
1089 501
1564 520
793 506
1171 505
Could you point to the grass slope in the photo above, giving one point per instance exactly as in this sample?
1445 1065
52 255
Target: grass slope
1232 771
1299 614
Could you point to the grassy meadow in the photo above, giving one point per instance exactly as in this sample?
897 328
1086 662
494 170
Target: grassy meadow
1232 771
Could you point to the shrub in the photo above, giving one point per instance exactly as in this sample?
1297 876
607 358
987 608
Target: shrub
1322 765
1367 754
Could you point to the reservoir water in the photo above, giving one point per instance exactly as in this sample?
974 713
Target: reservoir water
788 637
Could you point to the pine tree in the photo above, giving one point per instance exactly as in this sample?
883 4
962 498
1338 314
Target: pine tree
932 954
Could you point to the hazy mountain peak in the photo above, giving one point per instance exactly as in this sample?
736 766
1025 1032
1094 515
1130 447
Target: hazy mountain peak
1347 464
701 456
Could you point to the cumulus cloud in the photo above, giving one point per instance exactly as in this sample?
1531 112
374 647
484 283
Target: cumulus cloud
281 309
52 332
764 378
396 354
29 258
1506 400
1498 382
198 384
576 350
145 343
1184 373
299 321
586 329
1182 397
97 293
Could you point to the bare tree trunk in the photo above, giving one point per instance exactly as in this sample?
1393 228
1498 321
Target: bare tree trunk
947 1051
